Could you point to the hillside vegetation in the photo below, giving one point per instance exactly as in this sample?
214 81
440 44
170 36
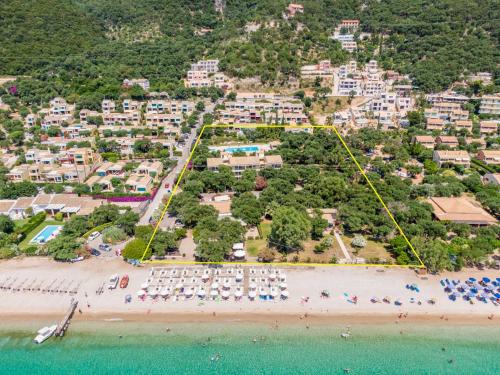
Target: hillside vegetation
84 48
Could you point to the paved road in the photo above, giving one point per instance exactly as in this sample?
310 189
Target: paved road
170 178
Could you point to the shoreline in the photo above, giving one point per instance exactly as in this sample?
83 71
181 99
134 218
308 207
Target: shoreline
271 318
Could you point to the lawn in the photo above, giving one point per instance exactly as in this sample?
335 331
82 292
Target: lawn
372 250
254 246
19 223
26 242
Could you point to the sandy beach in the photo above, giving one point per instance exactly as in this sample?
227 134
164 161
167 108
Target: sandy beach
363 282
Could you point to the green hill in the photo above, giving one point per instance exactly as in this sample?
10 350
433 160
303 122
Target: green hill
86 47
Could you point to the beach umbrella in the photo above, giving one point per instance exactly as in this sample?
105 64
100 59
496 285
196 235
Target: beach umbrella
165 293
238 293
179 285
141 293
498 279
262 292
144 286
252 286
225 294
285 294
486 280
152 293
252 294
215 285
201 293
226 285
472 279
239 277
214 292
283 285
272 276
273 292
188 292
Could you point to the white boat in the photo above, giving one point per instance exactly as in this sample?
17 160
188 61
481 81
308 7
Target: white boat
113 281
44 334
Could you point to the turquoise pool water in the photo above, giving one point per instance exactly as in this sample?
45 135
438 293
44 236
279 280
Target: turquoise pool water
45 233
244 348
242 149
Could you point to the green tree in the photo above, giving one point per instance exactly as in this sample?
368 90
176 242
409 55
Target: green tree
289 228
135 250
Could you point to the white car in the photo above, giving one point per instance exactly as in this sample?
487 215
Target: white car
94 235
113 281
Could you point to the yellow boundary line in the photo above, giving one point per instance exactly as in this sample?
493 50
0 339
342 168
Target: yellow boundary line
252 126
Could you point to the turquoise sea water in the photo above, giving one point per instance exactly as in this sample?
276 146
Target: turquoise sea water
96 348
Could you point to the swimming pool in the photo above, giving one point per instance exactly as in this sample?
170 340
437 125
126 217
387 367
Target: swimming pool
242 149
46 234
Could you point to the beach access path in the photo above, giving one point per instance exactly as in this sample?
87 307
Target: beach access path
342 283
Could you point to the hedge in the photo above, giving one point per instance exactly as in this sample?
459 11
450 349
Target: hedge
32 223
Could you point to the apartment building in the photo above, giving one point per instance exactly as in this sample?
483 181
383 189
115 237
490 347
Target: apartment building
463 125
30 120
170 106
130 105
449 141
41 157
152 169
209 66
111 169
449 157
139 184
59 106
83 156
490 157
425 140
108 106
162 119
142 82
85 114
434 124
488 128
116 118
350 24
55 120
197 74
239 164
104 182
490 105
349 46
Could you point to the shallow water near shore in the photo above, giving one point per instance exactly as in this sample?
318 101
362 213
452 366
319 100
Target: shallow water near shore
251 348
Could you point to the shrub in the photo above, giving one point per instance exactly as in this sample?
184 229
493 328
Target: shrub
358 241
135 249
59 216
266 255
31 250
113 235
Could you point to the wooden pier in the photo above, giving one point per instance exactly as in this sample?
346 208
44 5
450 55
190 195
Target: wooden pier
64 323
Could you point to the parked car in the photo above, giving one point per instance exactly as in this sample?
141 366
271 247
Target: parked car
95 252
104 247
124 282
78 259
94 235
167 185
113 281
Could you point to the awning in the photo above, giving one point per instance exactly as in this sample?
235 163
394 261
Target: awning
70 210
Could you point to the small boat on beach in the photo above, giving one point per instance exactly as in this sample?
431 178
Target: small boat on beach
44 333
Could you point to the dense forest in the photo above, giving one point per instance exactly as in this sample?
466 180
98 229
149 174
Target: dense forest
84 48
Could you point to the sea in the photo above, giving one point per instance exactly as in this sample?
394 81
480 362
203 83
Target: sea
250 348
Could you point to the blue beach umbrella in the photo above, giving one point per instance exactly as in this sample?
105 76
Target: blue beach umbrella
498 279
497 295
486 280
471 279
